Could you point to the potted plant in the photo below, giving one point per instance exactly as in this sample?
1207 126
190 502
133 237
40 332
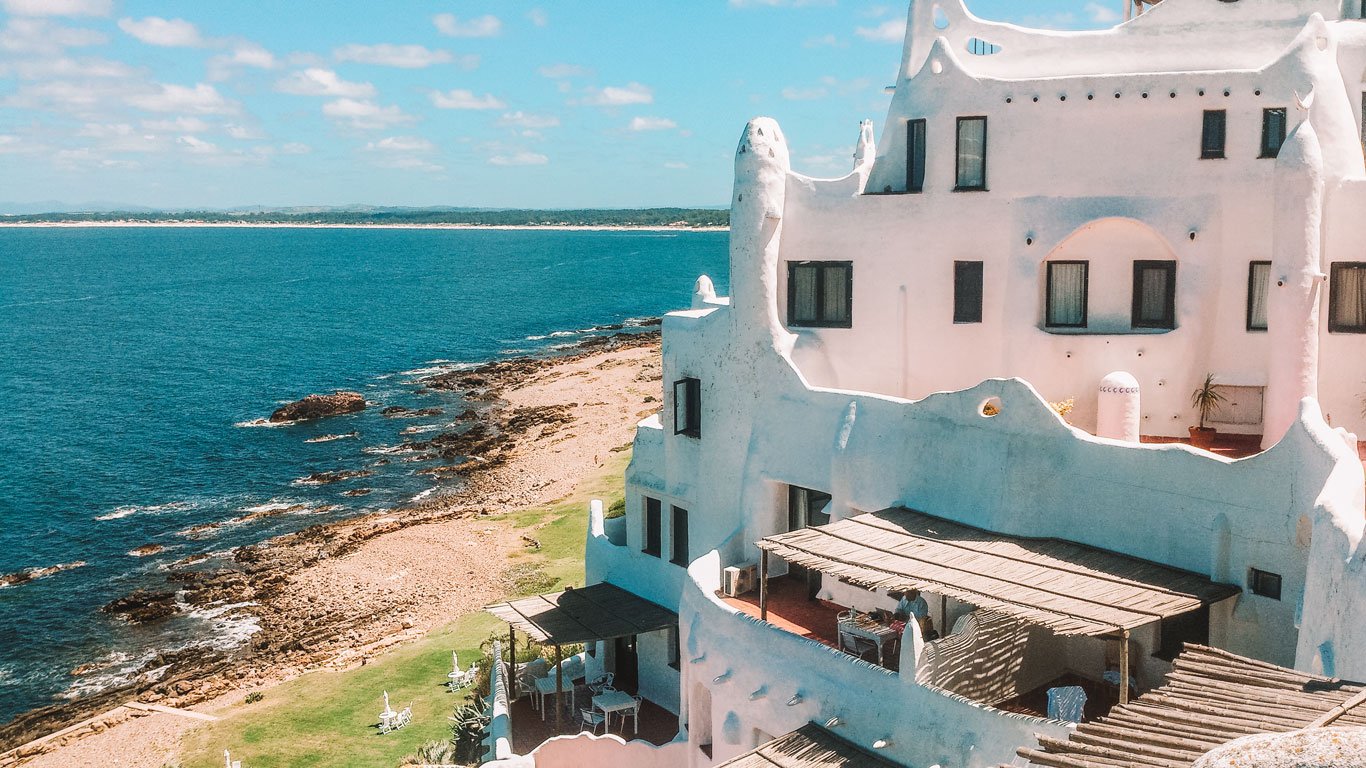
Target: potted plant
1205 399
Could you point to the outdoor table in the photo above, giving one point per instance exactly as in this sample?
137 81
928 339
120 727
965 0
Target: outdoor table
866 627
546 686
387 718
616 701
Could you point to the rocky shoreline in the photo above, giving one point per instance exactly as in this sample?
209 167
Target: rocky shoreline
485 451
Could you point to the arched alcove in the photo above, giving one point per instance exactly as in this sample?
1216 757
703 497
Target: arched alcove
1111 275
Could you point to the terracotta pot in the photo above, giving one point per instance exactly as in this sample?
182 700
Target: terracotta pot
1203 437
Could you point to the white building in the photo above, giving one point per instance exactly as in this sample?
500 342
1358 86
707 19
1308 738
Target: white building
1171 198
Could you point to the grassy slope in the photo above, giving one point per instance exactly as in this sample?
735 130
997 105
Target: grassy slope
325 718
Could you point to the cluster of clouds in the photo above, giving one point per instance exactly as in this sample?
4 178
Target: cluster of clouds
120 115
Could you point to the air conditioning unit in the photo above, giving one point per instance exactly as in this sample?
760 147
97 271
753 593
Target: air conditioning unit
736 580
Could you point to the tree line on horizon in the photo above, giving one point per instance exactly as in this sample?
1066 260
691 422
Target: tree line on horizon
586 217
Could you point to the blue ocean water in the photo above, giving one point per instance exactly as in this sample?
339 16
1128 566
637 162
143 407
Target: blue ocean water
133 359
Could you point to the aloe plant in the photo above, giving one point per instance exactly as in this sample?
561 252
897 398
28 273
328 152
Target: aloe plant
1206 398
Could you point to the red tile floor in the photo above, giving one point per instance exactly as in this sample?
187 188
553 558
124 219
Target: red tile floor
657 725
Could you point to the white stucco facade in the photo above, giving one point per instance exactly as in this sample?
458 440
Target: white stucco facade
1093 146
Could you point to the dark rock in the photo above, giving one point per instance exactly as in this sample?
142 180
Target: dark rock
327 478
142 606
320 406
399 412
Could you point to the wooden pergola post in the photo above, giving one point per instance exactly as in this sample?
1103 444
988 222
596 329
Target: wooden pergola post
559 685
1124 666
763 585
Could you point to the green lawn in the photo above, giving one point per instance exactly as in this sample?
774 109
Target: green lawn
327 718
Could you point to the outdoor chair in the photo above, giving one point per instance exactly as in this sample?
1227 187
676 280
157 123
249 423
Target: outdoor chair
603 683
1067 703
634 714
859 646
591 719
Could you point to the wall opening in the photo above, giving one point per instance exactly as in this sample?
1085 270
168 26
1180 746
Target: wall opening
979 47
941 19
990 407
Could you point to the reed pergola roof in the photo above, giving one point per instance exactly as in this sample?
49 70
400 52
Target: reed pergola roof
811 746
580 615
1071 588
1211 698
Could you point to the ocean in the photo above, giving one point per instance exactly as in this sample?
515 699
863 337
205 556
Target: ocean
136 364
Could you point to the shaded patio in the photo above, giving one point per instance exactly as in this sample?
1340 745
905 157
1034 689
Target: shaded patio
657 725
790 610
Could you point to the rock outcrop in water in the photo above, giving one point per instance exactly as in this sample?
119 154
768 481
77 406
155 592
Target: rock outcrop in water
142 606
30 574
320 406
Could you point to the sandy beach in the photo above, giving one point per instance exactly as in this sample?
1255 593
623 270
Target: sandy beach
334 596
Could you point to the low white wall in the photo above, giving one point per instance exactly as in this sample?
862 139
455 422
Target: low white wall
608 751
762 668
499 738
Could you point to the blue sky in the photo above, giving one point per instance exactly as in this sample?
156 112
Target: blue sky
511 104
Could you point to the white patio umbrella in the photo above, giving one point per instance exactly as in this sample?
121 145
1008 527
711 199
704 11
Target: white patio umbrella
387 710
455 663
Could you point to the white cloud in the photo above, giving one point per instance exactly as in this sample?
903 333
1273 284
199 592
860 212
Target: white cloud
562 71
676 166
401 144
42 68
387 55
178 125
519 158
9 143
824 41
244 54
481 26
104 130
168 33
805 94
538 17
777 3
1103 14
365 114
616 96
461 99
202 99
890 31
58 7
242 132
42 36
197 146
652 124
316 81
295 148
529 121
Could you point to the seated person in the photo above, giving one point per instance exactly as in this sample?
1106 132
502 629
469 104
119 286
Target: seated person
912 605
927 629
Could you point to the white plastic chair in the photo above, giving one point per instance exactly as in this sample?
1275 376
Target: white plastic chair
1067 703
591 719
603 683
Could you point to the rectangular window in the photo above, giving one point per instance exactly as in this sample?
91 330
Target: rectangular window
652 515
1212 134
680 537
806 508
674 655
967 291
1347 298
972 153
820 294
1154 294
1258 278
915 155
1273 131
1264 583
1066 294
688 407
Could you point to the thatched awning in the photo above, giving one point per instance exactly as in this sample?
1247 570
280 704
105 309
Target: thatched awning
1211 698
1071 588
598 612
810 746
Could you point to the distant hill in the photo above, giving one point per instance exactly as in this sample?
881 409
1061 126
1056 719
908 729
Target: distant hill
586 217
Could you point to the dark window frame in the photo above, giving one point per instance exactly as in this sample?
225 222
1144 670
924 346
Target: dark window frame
675 515
958 155
1085 294
812 497
1333 325
1251 291
1269 152
654 520
1168 321
1207 149
1264 583
690 423
916 131
675 652
967 314
820 267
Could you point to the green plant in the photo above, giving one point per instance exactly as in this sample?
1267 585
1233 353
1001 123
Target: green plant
467 731
618 509
433 753
254 697
1206 398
